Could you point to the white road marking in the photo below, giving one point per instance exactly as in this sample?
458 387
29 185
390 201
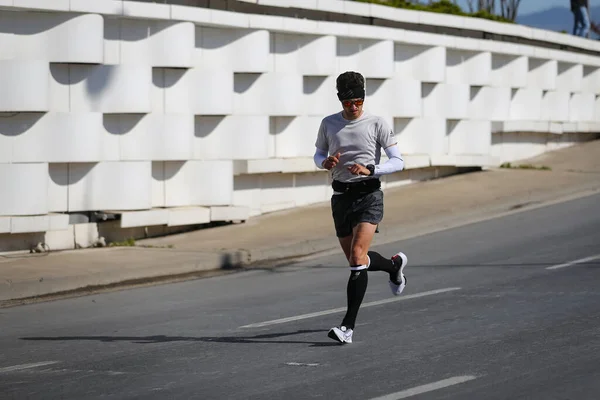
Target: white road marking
26 366
297 364
427 388
571 263
343 309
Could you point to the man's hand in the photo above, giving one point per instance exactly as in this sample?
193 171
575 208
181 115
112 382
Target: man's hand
358 169
331 161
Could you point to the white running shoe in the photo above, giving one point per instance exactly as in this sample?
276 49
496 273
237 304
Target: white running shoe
341 334
400 260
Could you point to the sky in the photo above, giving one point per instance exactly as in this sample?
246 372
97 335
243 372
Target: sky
530 6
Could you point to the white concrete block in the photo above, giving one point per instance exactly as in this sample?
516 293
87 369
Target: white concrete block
188 216
231 137
501 49
466 67
491 103
131 134
263 166
58 187
542 74
306 4
469 160
173 44
64 137
509 71
280 94
414 161
111 88
569 77
294 136
198 91
330 5
526 104
60 240
65 37
4 224
24 188
156 43
591 80
247 192
311 188
37 223
198 183
555 106
235 50
105 7
426 64
356 8
300 26
569 127
122 185
320 97
198 15
59 88
229 19
268 22
299 165
445 100
469 137
85 234
276 193
373 58
158 184
229 213
24 86
332 28
130 219
55 5
581 107
156 136
421 135
304 54
397 97
134 9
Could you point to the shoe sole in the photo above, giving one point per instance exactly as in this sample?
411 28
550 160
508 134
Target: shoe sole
397 290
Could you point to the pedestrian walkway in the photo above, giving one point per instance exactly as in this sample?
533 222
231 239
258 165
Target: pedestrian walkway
410 211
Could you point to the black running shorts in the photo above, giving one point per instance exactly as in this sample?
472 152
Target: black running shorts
350 209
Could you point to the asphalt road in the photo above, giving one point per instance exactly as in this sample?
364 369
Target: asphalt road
494 310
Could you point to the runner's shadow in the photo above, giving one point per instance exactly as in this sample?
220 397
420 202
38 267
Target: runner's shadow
256 339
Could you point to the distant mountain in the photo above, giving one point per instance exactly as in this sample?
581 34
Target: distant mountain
555 19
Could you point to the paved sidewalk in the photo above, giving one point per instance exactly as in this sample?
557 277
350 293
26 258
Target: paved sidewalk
410 211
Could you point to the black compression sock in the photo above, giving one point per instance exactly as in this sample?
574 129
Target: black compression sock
355 291
380 263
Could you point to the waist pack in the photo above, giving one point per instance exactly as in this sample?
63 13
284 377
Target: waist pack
360 187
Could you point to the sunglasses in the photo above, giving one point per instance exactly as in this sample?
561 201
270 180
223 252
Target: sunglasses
357 102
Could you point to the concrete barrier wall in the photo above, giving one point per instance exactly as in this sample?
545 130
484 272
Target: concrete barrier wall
168 116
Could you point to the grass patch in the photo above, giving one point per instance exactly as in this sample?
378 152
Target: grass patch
125 243
525 166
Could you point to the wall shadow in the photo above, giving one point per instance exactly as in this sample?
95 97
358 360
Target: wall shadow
205 126
15 124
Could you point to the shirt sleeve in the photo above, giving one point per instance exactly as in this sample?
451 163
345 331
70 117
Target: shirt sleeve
385 134
321 142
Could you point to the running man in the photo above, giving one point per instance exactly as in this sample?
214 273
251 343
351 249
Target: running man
349 145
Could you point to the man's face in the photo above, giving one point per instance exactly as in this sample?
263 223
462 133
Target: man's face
352 108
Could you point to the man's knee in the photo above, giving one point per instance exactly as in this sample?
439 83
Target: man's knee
358 254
